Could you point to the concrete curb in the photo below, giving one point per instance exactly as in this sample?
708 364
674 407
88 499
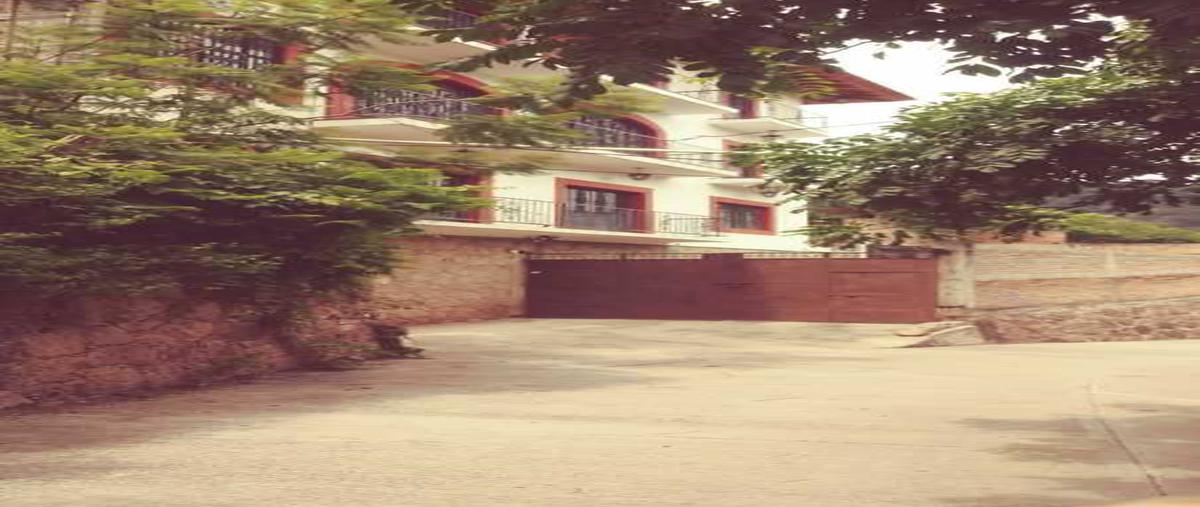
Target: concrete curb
944 334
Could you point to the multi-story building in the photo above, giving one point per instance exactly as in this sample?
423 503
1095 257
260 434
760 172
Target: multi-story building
654 181
661 178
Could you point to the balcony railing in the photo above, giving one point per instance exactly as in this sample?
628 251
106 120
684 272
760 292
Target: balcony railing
714 96
753 108
449 19
792 114
413 104
551 214
433 106
599 136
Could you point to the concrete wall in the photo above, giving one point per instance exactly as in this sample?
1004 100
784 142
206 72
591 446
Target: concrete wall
447 279
1086 292
1024 275
68 349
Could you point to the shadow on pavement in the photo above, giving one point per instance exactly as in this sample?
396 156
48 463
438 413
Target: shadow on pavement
1147 450
466 359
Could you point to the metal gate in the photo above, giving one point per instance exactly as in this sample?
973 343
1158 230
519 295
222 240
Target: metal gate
792 287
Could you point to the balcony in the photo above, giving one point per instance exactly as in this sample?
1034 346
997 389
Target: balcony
450 19
424 51
511 217
687 102
438 106
755 117
413 119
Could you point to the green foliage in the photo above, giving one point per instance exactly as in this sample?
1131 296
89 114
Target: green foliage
1098 228
1124 137
743 44
838 232
127 165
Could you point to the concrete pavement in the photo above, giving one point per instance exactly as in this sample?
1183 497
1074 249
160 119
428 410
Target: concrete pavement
643 413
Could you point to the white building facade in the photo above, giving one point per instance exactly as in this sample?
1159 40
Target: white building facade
659 178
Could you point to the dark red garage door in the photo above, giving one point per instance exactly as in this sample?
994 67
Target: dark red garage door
733 287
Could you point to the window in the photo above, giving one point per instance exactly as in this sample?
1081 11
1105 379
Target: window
744 216
246 53
594 201
226 48
603 207
604 210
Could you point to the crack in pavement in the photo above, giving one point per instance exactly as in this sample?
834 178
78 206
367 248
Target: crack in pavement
1098 414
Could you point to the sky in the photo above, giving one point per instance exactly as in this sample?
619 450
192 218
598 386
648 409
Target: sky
915 69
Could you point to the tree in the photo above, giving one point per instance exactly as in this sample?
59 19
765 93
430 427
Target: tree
131 160
744 44
1125 137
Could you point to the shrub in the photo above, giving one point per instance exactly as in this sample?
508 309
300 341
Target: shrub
1098 228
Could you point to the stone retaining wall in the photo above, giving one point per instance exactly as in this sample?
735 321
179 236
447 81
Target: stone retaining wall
98 347
1171 319
1020 275
106 346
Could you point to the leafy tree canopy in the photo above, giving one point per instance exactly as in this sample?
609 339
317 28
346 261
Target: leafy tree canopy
130 161
745 44
1125 137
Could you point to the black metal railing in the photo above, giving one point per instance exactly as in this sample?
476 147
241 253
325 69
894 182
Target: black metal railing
791 114
439 105
510 210
551 214
685 224
449 19
223 47
246 53
614 219
713 96
611 134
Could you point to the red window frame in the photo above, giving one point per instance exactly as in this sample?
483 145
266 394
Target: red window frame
766 209
643 199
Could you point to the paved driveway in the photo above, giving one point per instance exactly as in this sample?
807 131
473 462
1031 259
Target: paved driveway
623 413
